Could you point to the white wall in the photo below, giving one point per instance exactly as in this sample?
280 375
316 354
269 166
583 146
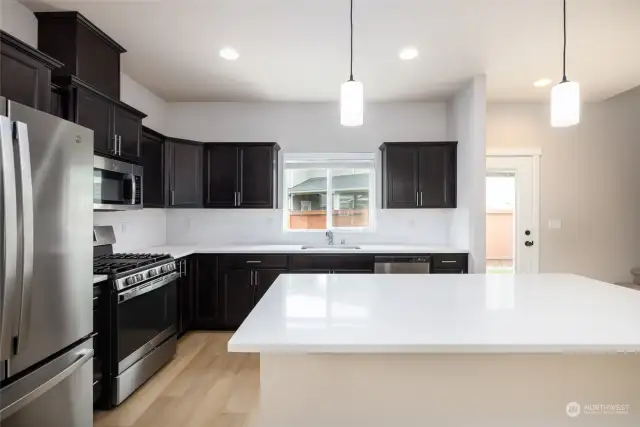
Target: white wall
467 114
135 229
19 21
300 128
589 179
138 96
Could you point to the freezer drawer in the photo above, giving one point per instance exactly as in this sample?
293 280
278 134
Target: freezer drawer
59 394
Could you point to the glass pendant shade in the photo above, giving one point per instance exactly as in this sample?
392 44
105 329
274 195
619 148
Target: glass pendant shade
351 103
565 104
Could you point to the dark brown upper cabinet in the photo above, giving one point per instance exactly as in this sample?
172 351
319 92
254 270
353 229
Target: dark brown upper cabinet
116 126
152 150
184 173
241 175
25 73
86 51
419 175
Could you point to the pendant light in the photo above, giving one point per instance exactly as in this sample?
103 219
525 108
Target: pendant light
565 96
351 93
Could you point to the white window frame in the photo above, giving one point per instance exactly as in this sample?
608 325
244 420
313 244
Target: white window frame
330 161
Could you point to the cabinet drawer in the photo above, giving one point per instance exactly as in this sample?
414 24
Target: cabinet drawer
450 261
253 261
332 262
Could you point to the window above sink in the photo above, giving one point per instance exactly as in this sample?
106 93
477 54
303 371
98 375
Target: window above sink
341 184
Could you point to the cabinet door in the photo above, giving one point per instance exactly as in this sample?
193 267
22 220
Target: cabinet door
221 176
153 181
186 308
96 113
263 279
23 78
256 176
208 310
237 296
127 128
401 177
437 176
185 170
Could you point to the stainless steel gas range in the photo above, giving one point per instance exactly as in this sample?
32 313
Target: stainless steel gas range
142 321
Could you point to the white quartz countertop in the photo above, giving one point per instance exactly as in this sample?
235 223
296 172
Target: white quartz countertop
185 250
545 313
97 278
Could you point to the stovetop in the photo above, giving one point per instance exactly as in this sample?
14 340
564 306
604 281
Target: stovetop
121 263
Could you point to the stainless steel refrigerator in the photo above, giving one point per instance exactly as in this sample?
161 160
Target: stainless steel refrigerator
46 310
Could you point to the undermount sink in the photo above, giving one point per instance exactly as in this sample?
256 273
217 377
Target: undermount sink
330 247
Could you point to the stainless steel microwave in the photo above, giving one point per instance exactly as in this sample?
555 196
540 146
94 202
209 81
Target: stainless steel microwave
117 185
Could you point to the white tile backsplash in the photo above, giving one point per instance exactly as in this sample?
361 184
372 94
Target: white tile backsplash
135 229
251 226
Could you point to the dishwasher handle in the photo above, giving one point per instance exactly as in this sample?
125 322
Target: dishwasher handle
401 259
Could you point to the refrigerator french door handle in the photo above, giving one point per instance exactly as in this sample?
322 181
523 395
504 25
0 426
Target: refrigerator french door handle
26 189
9 290
15 406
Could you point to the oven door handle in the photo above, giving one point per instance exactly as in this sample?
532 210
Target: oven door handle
147 287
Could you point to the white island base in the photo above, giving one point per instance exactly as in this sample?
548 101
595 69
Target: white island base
447 351
483 390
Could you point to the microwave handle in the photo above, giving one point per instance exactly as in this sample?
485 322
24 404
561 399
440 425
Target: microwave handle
133 190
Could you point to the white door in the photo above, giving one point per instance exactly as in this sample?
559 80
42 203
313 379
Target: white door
512 214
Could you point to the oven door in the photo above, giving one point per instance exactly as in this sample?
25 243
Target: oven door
116 185
145 318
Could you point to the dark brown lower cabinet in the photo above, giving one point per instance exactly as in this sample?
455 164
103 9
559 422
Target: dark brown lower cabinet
241 289
208 309
227 287
238 295
186 295
264 278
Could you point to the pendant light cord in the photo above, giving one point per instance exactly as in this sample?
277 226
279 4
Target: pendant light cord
564 49
351 25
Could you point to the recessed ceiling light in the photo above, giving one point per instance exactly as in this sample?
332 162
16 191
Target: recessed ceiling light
229 53
408 53
542 82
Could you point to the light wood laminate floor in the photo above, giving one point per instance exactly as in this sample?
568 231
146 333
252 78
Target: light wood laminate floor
204 386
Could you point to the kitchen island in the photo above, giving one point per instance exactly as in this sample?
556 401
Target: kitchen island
445 350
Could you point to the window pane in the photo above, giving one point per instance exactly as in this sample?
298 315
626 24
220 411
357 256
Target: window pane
307 199
350 188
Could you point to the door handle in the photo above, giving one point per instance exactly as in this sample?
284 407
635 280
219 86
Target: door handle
9 269
11 406
235 198
251 278
26 191
114 150
173 197
254 262
421 204
120 144
528 243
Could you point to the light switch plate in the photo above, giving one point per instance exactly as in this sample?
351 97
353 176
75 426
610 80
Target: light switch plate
555 224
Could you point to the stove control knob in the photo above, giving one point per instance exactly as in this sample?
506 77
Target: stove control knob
130 280
152 273
140 276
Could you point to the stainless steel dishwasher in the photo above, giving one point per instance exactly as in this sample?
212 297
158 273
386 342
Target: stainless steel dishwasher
402 264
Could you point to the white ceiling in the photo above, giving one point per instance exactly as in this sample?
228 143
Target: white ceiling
298 50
